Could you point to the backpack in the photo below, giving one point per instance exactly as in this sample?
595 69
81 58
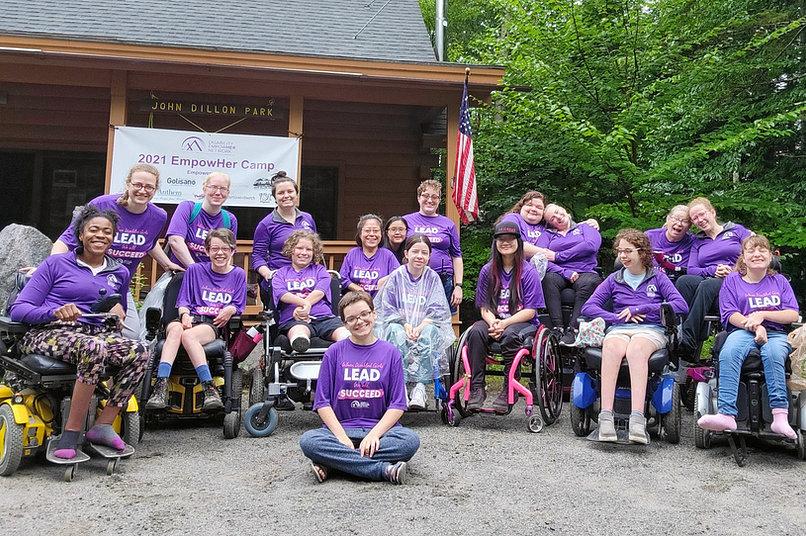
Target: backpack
797 340
197 208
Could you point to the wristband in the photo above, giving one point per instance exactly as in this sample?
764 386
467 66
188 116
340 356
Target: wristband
457 285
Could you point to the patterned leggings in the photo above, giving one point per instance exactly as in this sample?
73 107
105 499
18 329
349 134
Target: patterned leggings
92 348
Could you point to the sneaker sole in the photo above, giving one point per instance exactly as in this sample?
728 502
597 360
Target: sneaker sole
641 440
300 345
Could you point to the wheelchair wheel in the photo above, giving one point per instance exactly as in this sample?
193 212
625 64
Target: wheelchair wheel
670 422
257 426
232 424
548 376
257 389
580 421
457 372
130 424
10 441
801 443
702 438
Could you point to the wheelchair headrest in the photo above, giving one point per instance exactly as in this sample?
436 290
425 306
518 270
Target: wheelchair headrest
169 313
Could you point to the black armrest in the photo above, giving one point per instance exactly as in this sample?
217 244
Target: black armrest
9 326
153 319
235 323
667 317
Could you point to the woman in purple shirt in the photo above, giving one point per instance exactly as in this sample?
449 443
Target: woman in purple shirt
394 236
572 255
508 296
211 293
140 225
714 252
636 292
360 397
61 291
367 266
446 255
273 230
755 303
671 244
301 291
192 221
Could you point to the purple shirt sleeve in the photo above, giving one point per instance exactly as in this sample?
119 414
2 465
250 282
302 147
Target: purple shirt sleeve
788 300
28 306
260 246
728 299
278 287
532 294
346 268
239 298
595 305
589 244
455 249
481 286
324 384
694 267
185 292
179 221
396 390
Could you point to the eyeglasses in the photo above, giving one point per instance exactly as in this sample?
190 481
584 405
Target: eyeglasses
684 221
628 251
396 230
146 187
219 249
364 315
222 189
433 197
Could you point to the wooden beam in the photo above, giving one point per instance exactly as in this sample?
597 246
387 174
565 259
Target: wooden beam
117 117
295 109
450 164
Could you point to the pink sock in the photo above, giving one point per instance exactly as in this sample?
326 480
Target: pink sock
65 454
717 423
104 434
780 423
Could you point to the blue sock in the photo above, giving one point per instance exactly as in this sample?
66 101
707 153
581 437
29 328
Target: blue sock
203 371
164 370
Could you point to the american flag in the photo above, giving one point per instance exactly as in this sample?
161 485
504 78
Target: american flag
464 183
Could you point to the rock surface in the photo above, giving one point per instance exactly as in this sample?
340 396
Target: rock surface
21 246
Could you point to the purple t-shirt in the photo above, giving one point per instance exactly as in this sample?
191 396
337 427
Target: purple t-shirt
360 383
195 233
532 234
59 280
302 283
646 299
270 236
531 291
725 248
773 293
444 237
366 271
206 292
576 251
676 253
137 233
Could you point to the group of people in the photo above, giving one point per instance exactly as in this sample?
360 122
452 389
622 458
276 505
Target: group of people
402 283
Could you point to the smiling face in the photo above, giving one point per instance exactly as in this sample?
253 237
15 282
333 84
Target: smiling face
532 211
396 233
97 235
677 224
302 254
429 201
216 189
141 187
506 244
628 255
371 234
220 253
417 256
557 217
703 217
359 319
757 257
286 194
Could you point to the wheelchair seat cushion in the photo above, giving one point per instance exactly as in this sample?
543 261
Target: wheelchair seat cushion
658 359
45 365
752 363
214 351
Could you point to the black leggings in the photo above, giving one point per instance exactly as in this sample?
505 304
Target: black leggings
554 283
478 347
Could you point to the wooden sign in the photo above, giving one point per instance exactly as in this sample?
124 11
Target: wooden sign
156 104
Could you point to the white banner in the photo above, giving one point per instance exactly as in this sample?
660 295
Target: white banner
186 158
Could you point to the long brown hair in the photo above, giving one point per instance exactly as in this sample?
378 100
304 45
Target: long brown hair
527 197
749 243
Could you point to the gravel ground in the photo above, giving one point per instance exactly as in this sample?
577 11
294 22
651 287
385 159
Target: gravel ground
489 475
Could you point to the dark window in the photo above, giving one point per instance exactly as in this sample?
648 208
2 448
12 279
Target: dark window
319 196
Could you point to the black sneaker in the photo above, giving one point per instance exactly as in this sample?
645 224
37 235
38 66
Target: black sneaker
159 397
212 400
301 344
569 338
283 403
500 404
477 397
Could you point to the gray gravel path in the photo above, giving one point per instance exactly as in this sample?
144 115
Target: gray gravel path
488 476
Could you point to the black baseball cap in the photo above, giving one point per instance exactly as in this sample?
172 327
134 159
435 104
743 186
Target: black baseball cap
506 228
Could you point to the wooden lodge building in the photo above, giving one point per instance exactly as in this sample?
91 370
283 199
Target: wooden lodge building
356 81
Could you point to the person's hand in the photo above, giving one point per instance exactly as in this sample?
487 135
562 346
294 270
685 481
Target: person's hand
637 319
593 223
370 444
415 332
67 312
574 277
267 274
173 267
761 335
120 314
722 270
223 316
625 315
186 320
495 330
547 253
753 320
27 270
347 442
456 296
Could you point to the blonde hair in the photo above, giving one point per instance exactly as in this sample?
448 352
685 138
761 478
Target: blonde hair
217 174
148 168
702 201
430 183
752 242
294 238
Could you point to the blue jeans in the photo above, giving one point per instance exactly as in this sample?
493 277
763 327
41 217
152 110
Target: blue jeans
447 286
773 355
322 447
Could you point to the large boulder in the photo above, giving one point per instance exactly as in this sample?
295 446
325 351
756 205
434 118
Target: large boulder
21 246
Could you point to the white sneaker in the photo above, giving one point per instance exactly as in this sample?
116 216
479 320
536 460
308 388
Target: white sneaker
417 398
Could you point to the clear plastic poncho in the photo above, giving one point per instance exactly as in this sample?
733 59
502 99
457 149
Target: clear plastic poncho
401 301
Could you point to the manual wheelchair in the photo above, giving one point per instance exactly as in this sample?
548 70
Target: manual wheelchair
185 391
